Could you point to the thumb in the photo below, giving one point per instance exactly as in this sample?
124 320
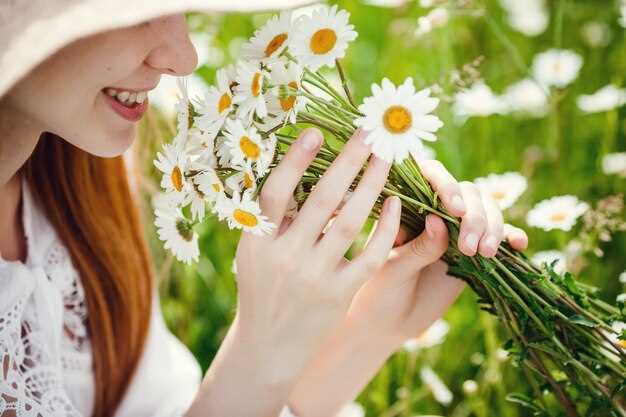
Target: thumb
425 249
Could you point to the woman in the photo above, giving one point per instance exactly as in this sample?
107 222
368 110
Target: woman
81 332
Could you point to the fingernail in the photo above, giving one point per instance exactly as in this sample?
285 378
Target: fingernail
471 240
310 140
429 228
457 203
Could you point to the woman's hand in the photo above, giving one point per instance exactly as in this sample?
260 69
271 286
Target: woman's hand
294 288
413 288
407 294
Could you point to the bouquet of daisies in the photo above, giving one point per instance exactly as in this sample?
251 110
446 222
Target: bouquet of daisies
230 139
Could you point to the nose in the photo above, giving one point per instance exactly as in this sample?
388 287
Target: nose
173 52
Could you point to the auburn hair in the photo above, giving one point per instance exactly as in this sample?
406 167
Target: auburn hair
88 201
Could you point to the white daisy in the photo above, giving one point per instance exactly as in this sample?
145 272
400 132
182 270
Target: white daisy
527 97
618 327
167 93
621 298
478 100
351 409
177 233
622 277
249 91
210 185
245 145
284 103
241 181
470 387
322 37
270 40
614 163
184 112
398 120
216 106
556 67
622 17
425 153
243 213
173 163
505 188
267 156
433 336
439 390
549 256
605 99
596 33
386 3
557 213
436 18
529 17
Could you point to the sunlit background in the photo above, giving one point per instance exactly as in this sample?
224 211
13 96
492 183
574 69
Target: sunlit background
483 59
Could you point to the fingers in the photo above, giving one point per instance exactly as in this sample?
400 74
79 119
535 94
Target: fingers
488 245
330 189
377 250
474 222
516 237
355 212
425 249
280 185
445 185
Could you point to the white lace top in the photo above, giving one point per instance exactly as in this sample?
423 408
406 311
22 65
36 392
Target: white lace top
45 353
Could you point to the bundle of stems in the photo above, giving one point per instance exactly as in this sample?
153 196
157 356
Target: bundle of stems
560 331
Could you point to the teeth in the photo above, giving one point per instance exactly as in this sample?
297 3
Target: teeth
126 97
123 96
141 97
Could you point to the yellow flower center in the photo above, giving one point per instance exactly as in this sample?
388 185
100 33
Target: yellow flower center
245 218
248 181
558 217
249 148
397 119
177 178
216 187
287 103
498 195
323 41
276 42
256 84
622 343
224 103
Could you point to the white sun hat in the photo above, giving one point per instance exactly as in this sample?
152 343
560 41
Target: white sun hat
32 30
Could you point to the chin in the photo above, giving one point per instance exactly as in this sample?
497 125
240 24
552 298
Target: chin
108 145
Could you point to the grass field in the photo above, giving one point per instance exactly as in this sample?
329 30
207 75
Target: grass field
559 153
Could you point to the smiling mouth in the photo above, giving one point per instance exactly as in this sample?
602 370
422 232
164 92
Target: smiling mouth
127 98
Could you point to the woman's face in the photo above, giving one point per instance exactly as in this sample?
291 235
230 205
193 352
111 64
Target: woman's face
68 93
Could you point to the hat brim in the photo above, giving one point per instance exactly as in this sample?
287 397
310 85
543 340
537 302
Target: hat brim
40 29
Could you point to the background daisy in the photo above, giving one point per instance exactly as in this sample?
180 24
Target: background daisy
505 188
556 67
557 213
241 212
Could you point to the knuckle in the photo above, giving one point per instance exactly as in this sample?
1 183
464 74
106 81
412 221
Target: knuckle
476 221
347 229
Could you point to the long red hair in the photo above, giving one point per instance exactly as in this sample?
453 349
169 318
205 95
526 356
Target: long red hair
88 201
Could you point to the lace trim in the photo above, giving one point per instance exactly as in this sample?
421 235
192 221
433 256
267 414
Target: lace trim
32 369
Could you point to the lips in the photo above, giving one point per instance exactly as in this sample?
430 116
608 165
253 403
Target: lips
131 111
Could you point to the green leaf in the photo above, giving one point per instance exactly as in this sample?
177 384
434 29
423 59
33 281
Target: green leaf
581 320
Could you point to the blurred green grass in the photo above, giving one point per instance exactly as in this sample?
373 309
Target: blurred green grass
559 154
